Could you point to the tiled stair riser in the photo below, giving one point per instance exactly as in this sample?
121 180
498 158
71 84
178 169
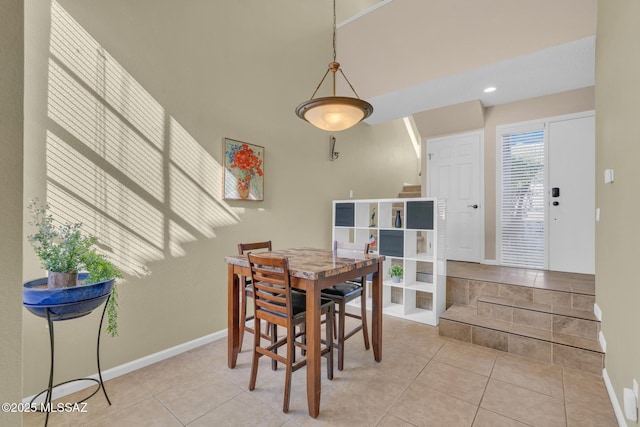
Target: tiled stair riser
577 327
467 292
554 326
548 321
534 319
494 311
530 347
558 354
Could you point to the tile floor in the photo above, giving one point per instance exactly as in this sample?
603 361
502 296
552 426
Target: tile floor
423 380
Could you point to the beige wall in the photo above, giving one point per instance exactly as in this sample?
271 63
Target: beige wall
618 147
466 116
11 116
531 109
165 82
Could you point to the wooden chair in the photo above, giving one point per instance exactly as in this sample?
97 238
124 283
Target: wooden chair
342 293
277 304
247 292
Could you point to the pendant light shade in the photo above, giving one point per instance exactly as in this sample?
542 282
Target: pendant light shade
334 113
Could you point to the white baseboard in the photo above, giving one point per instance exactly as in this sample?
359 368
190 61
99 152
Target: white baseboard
597 311
614 400
489 262
117 371
603 342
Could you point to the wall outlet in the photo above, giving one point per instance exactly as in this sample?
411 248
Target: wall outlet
630 404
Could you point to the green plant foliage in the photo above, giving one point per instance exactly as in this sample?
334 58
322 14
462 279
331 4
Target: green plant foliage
112 312
64 249
396 270
61 248
100 268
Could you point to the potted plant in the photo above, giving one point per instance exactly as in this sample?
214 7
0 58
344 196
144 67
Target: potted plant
396 272
78 276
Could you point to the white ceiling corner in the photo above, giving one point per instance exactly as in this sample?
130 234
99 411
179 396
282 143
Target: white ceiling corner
556 69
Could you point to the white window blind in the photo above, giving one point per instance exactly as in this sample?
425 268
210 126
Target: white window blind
522 199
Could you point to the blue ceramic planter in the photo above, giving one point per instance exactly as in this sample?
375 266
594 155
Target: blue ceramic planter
64 303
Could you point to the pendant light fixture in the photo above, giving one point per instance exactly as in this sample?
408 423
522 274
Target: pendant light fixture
334 113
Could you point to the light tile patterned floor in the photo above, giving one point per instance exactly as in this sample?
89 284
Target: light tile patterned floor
423 380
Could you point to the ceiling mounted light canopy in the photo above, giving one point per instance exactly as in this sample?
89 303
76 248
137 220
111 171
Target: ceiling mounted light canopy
334 113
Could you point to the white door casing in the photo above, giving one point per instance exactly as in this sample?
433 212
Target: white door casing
455 172
571 169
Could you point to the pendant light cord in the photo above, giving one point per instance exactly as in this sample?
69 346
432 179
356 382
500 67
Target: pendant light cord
334 60
334 30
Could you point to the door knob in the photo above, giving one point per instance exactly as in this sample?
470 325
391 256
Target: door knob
473 206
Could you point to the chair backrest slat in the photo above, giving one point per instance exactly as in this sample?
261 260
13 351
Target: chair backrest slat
350 250
271 286
243 248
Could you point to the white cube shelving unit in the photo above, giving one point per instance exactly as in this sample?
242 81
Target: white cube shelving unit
418 245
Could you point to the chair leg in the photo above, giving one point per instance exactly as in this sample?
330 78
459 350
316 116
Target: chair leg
363 314
329 336
274 339
341 321
290 351
243 316
254 364
267 326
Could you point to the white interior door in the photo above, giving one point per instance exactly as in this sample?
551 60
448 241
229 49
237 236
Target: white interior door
455 173
571 229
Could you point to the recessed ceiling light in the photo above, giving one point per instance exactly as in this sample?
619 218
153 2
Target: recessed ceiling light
490 89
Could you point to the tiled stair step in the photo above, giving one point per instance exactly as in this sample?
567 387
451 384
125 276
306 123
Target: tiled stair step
558 319
462 323
467 291
413 188
409 194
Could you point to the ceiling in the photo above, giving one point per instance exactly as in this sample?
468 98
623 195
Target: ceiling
409 56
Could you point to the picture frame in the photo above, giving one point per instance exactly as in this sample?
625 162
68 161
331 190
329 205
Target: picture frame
243 170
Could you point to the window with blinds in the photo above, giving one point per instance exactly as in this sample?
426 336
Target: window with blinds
522 208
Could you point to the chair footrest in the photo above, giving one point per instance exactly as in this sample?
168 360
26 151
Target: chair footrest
353 332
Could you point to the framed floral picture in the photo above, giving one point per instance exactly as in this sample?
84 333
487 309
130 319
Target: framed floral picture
243 177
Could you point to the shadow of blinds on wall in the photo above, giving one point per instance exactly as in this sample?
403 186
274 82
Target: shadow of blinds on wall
522 209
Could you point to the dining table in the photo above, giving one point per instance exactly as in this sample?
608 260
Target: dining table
311 270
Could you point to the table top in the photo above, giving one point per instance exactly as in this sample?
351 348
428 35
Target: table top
314 264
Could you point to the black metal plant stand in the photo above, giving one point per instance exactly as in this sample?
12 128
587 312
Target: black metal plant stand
49 390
